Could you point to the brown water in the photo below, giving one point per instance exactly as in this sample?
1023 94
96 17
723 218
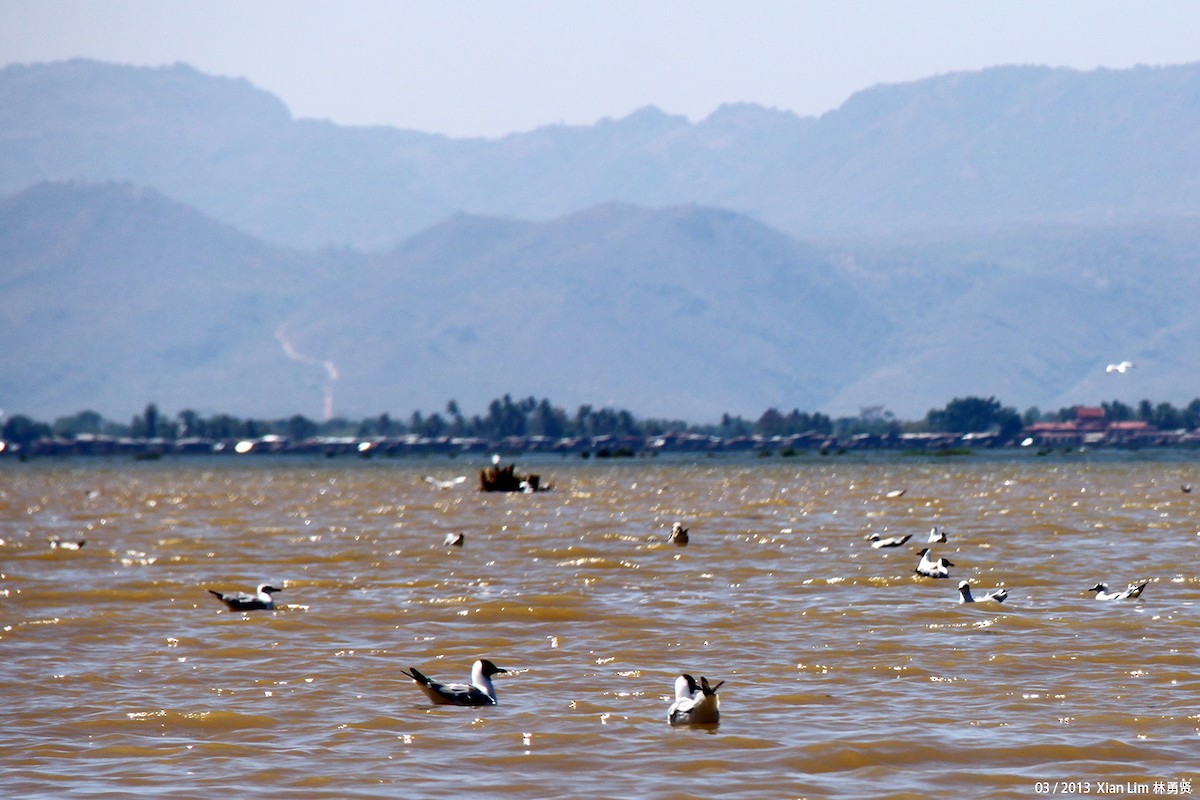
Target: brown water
846 675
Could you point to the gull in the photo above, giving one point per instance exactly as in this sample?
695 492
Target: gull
446 484
59 543
240 601
964 591
933 567
896 493
454 539
695 704
936 535
878 542
1133 592
679 534
479 692
1186 488
1120 367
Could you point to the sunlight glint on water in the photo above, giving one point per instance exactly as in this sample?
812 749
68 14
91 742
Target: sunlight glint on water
846 675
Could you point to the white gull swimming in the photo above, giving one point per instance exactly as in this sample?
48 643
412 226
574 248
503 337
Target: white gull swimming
695 704
933 567
1133 591
965 596
240 601
479 692
878 541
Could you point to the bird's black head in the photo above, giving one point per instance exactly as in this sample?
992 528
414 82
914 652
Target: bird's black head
490 669
270 589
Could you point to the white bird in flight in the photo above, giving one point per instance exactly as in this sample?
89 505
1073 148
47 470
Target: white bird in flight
446 484
1120 367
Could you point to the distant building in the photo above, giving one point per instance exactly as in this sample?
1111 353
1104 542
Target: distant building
1091 426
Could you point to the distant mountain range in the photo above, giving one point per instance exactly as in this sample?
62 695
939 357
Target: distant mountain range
172 237
1000 146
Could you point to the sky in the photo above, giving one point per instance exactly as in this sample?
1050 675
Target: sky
491 67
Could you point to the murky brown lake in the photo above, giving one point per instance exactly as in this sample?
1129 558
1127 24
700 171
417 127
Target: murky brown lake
845 674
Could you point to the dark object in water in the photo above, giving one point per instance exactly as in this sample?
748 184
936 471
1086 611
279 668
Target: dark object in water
505 479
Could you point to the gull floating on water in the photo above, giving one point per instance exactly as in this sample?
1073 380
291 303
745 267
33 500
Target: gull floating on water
936 535
878 541
896 493
1133 592
454 539
1120 367
445 484
964 591
59 543
695 704
479 692
679 534
240 601
933 567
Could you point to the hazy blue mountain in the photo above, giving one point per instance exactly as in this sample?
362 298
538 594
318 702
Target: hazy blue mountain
116 296
1003 145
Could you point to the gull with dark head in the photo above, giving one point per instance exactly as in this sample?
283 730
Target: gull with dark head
479 692
965 596
936 535
59 543
695 704
933 567
241 601
1132 592
878 542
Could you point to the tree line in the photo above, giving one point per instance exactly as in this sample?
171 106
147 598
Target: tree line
508 417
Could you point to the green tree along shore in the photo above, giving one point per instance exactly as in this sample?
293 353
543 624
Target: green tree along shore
530 417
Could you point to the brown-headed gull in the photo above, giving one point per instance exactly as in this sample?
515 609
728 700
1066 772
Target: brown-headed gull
479 692
965 596
933 567
240 601
695 704
1133 592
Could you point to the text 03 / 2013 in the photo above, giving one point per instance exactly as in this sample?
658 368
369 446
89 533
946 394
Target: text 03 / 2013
1159 787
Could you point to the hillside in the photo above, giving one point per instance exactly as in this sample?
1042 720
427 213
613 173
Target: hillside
117 296
1002 146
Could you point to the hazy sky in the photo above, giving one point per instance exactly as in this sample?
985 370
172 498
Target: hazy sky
489 67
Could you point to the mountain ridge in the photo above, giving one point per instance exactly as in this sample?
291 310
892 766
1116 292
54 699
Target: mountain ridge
119 296
1006 144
